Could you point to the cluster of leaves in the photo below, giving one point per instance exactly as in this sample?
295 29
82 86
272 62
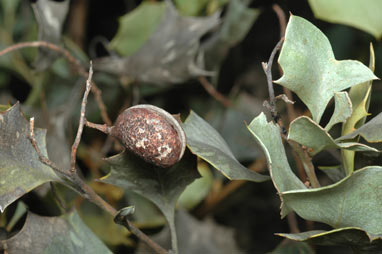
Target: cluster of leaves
164 50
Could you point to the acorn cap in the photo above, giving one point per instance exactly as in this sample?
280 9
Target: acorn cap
151 133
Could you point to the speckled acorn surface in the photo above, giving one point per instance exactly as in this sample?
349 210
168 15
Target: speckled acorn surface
151 133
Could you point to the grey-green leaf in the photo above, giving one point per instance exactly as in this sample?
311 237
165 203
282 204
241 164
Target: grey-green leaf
342 110
206 142
351 237
55 235
20 169
362 15
310 69
351 202
267 135
162 186
371 131
308 133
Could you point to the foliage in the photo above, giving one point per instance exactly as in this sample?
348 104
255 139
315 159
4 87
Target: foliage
160 48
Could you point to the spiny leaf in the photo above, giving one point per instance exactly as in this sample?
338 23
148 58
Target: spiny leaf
362 15
351 202
267 135
360 97
342 110
206 142
20 169
356 238
66 234
310 69
371 131
162 186
136 27
308 133
171 54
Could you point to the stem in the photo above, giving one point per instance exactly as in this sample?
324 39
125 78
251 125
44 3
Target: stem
82 120
174 238
214 93
101 127
306 162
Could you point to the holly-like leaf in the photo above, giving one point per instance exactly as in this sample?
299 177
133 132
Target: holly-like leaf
191 8
66 234
362 15
342 110
50 16
352 202
198 237
310 69
371 131
136 27
171 53
305 131
360 98
352 237
162 186
267 135
293 247
204 141
236 23
20 169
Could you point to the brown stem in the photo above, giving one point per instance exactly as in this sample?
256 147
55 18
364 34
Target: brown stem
101 127
282 19
82 120
306 162
214 93
267 67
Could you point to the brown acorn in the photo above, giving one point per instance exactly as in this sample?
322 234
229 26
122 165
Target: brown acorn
151 133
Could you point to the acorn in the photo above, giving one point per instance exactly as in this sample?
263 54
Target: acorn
150 132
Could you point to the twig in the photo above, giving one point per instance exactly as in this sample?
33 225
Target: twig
82 120
78 67
214 93
267 67
282 20
78 184
306 162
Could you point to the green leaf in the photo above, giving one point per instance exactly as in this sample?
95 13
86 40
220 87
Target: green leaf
20 169
362 15
66 234
205 142
171 54
162 186
293 247
199 189
267 135
310 69
136 27
342 110
351 237
360 98
351 202
371 131
308 133
236 24
191 8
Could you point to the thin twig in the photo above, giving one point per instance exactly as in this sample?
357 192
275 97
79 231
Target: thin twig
282 20
78 67
268 72
82 120
306 160
214 93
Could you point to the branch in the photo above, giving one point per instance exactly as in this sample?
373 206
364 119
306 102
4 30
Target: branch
214 93
267 67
